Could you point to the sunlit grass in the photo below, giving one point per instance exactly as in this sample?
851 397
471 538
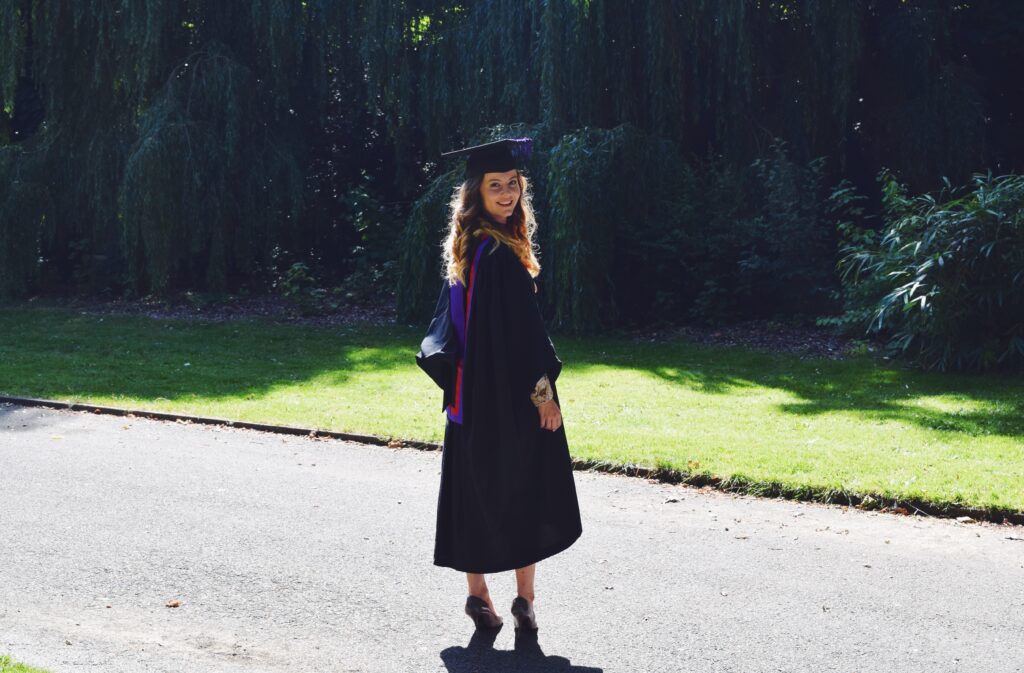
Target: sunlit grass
860 425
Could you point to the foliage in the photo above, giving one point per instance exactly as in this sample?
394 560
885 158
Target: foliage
205 188
637 234
785 267
371 269
420 253
309 295
583 218
943 281
171 148
857 293
209 145
299 286
23 206
720 242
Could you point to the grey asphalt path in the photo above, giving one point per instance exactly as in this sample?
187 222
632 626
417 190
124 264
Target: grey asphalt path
297 554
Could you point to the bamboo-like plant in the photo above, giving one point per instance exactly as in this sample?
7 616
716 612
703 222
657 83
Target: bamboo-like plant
946 274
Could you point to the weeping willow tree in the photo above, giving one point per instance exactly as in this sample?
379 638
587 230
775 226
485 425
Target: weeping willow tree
207 188
730 73
169 153
712 83
160 146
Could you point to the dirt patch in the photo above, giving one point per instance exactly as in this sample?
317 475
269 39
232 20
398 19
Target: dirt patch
265 307
766 335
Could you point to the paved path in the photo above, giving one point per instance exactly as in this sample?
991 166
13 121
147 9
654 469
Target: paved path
297 554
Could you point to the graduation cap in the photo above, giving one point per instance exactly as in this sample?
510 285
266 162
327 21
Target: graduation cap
497 157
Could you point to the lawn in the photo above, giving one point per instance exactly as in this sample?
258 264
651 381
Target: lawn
806 426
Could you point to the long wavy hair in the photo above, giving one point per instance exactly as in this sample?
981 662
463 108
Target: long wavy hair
469 220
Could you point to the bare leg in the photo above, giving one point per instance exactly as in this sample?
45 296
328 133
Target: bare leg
524 581
478 587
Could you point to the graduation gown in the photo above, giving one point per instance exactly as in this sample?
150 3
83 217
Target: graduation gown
507 496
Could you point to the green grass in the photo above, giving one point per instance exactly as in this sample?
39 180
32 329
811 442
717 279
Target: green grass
862 425
8 666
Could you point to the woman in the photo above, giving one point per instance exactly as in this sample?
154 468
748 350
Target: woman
507 497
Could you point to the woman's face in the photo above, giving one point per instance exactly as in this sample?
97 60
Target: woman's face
500 192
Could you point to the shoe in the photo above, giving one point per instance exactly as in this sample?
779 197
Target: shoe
482 615
522 610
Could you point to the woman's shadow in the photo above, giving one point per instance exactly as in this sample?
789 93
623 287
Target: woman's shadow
526 656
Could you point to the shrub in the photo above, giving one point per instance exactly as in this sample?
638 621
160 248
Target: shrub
750 242
786 265
943 282
300 287
636 233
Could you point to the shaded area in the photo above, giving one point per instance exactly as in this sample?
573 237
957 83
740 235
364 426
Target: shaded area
57 354
526 657
14 419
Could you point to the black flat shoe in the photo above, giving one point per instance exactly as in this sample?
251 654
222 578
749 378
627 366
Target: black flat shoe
523 612
482 615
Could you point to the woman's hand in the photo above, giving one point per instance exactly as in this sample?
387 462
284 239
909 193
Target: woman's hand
550 415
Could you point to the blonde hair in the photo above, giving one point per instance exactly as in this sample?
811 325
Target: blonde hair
469 221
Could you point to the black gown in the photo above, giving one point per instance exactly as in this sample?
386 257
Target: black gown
507 496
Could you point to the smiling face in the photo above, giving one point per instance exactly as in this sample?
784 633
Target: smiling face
500 193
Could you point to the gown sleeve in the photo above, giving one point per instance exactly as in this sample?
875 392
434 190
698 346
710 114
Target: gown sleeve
529 350
439 349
